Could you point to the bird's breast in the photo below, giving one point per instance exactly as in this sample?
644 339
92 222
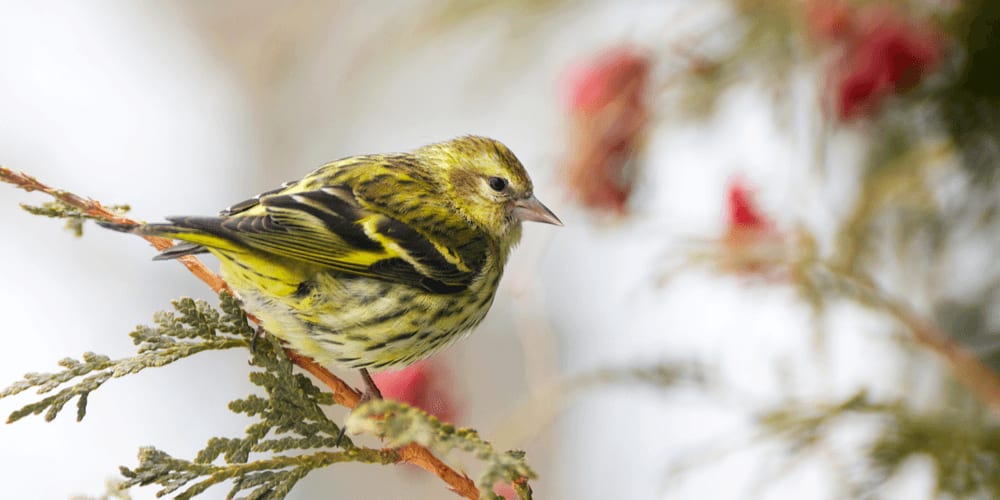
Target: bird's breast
367 322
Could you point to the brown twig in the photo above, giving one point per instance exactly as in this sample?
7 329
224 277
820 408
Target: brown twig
94 208
965 366
422 457
343 393
804 267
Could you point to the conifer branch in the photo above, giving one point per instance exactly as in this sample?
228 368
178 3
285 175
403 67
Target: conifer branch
266 478
196 327
965 366
412 453
290 426
91 208
343 394
815 276
964 448
404 426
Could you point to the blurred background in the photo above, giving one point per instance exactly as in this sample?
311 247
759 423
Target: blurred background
777 276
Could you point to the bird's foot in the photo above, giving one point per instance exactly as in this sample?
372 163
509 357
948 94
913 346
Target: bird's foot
371 390
257 333
371 393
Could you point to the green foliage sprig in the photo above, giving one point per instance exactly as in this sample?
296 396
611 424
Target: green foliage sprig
399 425
290 423
290 426
964 449
74 216
195 327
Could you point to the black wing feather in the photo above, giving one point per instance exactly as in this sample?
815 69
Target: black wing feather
325 227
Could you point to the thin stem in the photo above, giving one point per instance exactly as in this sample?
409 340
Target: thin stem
422 457
345 395
965 366
95 209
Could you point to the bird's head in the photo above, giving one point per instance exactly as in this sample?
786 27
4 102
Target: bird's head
488 185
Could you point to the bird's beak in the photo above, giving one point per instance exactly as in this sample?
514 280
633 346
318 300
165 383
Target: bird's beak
530 209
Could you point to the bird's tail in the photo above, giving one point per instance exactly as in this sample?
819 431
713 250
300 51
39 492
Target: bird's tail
199 234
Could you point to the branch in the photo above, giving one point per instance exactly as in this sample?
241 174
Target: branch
965 366
267 478
422 457
96 210
343 393
813 276
413 453
407 427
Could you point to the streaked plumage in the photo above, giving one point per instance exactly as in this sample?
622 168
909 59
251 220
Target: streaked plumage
372 261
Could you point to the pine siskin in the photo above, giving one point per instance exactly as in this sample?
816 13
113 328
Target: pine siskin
371 261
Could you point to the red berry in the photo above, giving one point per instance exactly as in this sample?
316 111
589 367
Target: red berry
605 79
743 212
609 115
889 54
421 385
505 490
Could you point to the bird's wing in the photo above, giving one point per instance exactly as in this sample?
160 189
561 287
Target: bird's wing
398 238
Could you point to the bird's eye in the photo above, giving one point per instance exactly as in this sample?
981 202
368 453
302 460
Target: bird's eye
498 183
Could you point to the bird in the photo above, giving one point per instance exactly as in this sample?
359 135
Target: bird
373 261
